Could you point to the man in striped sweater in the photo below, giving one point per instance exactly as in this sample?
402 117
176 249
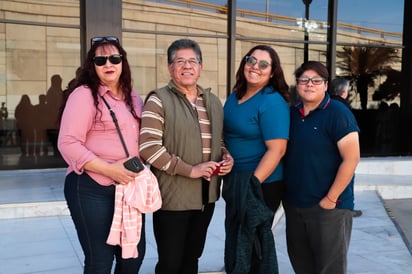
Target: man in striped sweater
181 138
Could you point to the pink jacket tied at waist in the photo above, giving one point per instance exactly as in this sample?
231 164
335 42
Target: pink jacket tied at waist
131 200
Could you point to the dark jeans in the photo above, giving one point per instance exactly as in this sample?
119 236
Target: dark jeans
92 206
180 238
318 239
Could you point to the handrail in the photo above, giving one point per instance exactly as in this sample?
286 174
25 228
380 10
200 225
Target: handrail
276 17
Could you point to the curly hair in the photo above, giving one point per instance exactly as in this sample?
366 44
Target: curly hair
86 75
277 81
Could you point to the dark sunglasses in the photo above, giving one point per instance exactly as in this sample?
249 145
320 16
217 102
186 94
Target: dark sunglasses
101 60
104 38
251 61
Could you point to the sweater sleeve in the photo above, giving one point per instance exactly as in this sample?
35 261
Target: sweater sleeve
131 200
151 146
144 193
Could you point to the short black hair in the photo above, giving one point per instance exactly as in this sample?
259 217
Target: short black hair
183 44
316 66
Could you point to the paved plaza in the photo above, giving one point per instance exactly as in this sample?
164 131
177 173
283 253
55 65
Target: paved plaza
38 236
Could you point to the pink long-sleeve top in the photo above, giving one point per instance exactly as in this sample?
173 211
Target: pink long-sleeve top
86 134
140 196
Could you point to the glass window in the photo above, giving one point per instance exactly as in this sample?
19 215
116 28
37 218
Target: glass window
370 21
292 18
39 54
147 55
148 33
369 51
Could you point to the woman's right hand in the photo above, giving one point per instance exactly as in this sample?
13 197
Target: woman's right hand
120 174
116 170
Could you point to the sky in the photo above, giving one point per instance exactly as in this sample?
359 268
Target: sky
384 15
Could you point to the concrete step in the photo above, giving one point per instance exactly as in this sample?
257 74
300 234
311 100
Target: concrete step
391 177
385 166
40 209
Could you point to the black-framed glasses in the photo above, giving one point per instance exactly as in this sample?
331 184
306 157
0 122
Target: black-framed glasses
305 80
101 60
251 61
104 38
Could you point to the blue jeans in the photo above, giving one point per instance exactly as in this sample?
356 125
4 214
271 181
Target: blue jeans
92 206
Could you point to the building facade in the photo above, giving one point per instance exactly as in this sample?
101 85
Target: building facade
42 43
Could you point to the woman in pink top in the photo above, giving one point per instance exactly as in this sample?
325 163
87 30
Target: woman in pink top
91 146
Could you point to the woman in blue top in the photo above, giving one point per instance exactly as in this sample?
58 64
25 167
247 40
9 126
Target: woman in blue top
256 123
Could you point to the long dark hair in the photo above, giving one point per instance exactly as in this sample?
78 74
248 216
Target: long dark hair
277 81
87 76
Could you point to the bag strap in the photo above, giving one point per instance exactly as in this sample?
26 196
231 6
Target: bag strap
117 126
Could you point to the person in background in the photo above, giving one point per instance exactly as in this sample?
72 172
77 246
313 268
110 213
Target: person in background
181 138
4 114
25 126
256 131
90 144
322 155
339 90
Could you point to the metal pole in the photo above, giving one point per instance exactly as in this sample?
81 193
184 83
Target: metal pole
306 45
332 33
231 45
406 83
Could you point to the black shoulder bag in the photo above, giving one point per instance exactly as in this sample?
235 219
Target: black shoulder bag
133 164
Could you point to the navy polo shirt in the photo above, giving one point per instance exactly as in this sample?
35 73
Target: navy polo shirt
312 158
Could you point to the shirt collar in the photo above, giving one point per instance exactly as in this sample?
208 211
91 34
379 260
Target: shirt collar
173 87
104 89
323 105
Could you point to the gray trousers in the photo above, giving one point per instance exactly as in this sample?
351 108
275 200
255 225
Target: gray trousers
318 239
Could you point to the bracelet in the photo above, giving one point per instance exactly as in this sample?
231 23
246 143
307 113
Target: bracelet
330 200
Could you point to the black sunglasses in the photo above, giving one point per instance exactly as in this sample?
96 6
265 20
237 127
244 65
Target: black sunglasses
104 38
101 60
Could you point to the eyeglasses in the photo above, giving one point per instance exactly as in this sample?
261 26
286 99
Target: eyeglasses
104 38
180 62
251 61
101 60
304 81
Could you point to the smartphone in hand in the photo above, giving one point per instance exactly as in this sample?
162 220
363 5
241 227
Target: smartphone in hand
217 170
134 164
